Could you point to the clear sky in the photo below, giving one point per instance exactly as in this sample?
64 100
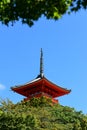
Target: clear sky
64 44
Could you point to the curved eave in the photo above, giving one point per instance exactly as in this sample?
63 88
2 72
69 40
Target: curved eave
22 88
28 84
56 87
58 91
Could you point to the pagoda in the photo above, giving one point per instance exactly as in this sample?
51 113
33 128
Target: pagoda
40 86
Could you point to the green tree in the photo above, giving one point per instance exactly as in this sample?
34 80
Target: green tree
44 115
78 4
29 11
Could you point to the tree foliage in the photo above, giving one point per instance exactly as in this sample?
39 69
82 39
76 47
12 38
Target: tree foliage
78 4
40 114
31 10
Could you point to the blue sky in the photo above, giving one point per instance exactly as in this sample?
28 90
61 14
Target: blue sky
64 44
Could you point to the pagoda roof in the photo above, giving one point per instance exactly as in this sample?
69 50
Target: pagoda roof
40 84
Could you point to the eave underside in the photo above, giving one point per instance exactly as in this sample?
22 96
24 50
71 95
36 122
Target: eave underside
28 92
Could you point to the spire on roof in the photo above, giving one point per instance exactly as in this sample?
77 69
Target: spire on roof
41 64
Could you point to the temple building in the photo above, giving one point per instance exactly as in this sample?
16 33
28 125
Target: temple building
40 86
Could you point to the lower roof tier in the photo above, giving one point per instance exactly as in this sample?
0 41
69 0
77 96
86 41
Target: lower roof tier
40 85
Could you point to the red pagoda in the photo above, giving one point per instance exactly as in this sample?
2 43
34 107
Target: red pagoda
40 86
